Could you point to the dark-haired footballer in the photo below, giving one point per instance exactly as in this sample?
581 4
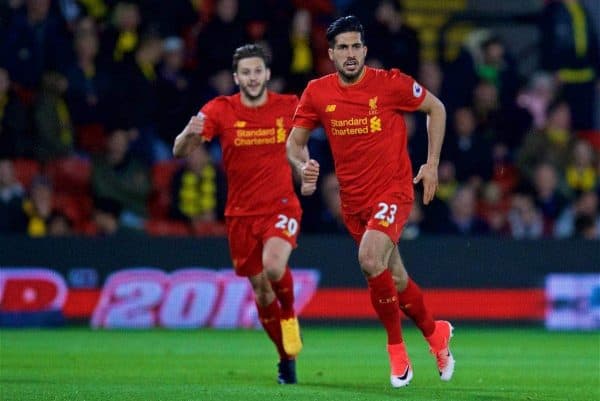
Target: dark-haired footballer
361 110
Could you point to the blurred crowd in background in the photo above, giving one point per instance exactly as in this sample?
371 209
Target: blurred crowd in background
93 93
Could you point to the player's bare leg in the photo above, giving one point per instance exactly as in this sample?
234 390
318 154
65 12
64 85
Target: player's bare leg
373 255
437 333
276 253
269 314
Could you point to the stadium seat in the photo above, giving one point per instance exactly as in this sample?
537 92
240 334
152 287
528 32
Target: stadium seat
210 229
70 175
506 176
160 198
592 136
26 170
162 173
165 227
91 138
88 228
78 208
25 95
159 204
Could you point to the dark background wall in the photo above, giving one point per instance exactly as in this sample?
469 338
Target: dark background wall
433 262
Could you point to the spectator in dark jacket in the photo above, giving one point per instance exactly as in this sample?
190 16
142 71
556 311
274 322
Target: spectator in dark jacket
175 90
392 41
53 130
226 29
570 50
11 198
89 80
120 177
14 127
463 219
136 99
33 43
470 151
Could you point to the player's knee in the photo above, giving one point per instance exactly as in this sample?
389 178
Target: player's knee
370 264
264 295
274 273
263 298
274 265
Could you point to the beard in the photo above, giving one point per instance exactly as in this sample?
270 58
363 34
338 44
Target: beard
252 97
350 77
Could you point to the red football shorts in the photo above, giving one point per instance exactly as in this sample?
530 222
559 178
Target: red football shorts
388 216
248 234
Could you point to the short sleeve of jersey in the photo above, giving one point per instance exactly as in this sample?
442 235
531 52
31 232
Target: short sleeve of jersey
306 115
292 100
211 111
407 93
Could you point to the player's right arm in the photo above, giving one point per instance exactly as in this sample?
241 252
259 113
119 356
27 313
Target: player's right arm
305 167
190 137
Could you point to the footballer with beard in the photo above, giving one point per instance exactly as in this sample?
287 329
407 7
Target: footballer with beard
262 212
361 109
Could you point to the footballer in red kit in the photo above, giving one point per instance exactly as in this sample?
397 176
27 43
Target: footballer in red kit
361 110
367 135
262 211
253 141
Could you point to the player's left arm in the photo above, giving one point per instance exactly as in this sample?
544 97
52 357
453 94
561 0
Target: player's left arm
436 126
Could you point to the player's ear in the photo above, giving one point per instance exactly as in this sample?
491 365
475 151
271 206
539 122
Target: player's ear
235 79
268 74
330 52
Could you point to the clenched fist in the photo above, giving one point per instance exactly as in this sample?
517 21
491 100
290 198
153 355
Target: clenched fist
196 124
310 175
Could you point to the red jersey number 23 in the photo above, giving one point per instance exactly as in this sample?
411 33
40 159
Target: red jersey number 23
386 212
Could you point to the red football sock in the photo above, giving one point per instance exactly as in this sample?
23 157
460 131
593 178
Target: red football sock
284 290
413 306
385 301
269 318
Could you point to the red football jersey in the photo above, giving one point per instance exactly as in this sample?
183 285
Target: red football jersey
365 126
253 142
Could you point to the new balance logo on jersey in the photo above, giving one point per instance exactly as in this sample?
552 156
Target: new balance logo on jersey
239 124
330 108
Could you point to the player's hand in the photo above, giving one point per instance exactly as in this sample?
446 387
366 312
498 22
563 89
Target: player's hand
310 175
428 173
196 124
308 189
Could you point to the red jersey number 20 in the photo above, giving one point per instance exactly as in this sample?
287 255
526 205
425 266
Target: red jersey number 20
287 224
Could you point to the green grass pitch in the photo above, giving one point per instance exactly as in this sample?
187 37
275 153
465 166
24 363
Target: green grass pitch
337 363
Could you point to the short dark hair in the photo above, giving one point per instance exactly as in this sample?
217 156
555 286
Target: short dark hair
250 50
348 23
